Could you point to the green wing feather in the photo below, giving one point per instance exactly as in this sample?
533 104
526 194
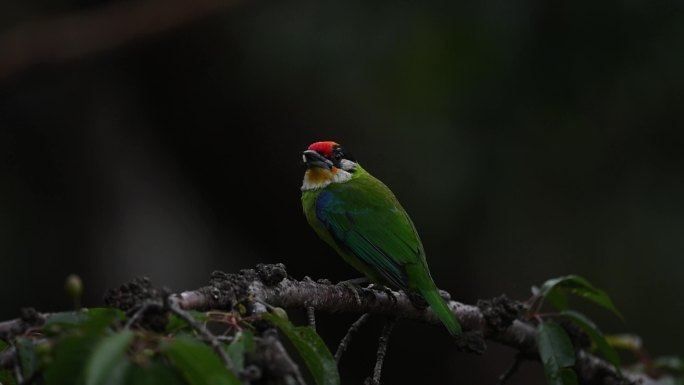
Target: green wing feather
364 221
365 218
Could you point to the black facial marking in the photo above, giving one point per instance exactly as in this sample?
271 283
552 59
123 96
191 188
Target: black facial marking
338 154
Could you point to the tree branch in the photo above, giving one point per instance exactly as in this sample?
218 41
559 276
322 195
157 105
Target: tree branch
270 284
496 320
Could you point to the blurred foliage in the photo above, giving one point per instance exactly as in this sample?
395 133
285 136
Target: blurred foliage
311 348
95 347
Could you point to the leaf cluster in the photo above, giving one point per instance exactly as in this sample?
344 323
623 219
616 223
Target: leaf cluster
96 347
556 348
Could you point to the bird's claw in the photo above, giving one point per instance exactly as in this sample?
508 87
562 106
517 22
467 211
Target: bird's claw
386 290
445 295
354 287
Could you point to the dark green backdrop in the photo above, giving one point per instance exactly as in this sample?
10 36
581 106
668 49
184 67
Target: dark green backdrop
526 139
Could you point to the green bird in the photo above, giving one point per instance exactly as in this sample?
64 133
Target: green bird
363 221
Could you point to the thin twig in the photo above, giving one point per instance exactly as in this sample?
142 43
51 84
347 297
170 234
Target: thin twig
18 375
382 351
273 341
511 370
311 316
226 339
202 330
344 343
139 313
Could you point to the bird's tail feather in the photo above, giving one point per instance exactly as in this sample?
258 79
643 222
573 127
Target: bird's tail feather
423 283
440 307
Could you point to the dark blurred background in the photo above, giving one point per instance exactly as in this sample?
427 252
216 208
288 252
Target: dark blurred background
526 139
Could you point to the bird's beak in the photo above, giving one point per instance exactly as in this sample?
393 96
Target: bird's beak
313 159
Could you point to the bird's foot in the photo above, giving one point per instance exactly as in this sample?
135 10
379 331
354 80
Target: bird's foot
355 286
386 290
445 295
417 300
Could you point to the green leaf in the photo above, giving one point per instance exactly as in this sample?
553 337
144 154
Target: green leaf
556 353
199 315
108 363
94 320
3 345
581 287
175 324
68 318
567 377
248 340
198 363
118 374
311 348
243 342
155 373
27 356
70 355
595 335
558 299
7 377
99 319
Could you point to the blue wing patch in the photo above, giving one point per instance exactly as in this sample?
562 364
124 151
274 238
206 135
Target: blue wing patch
343 224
